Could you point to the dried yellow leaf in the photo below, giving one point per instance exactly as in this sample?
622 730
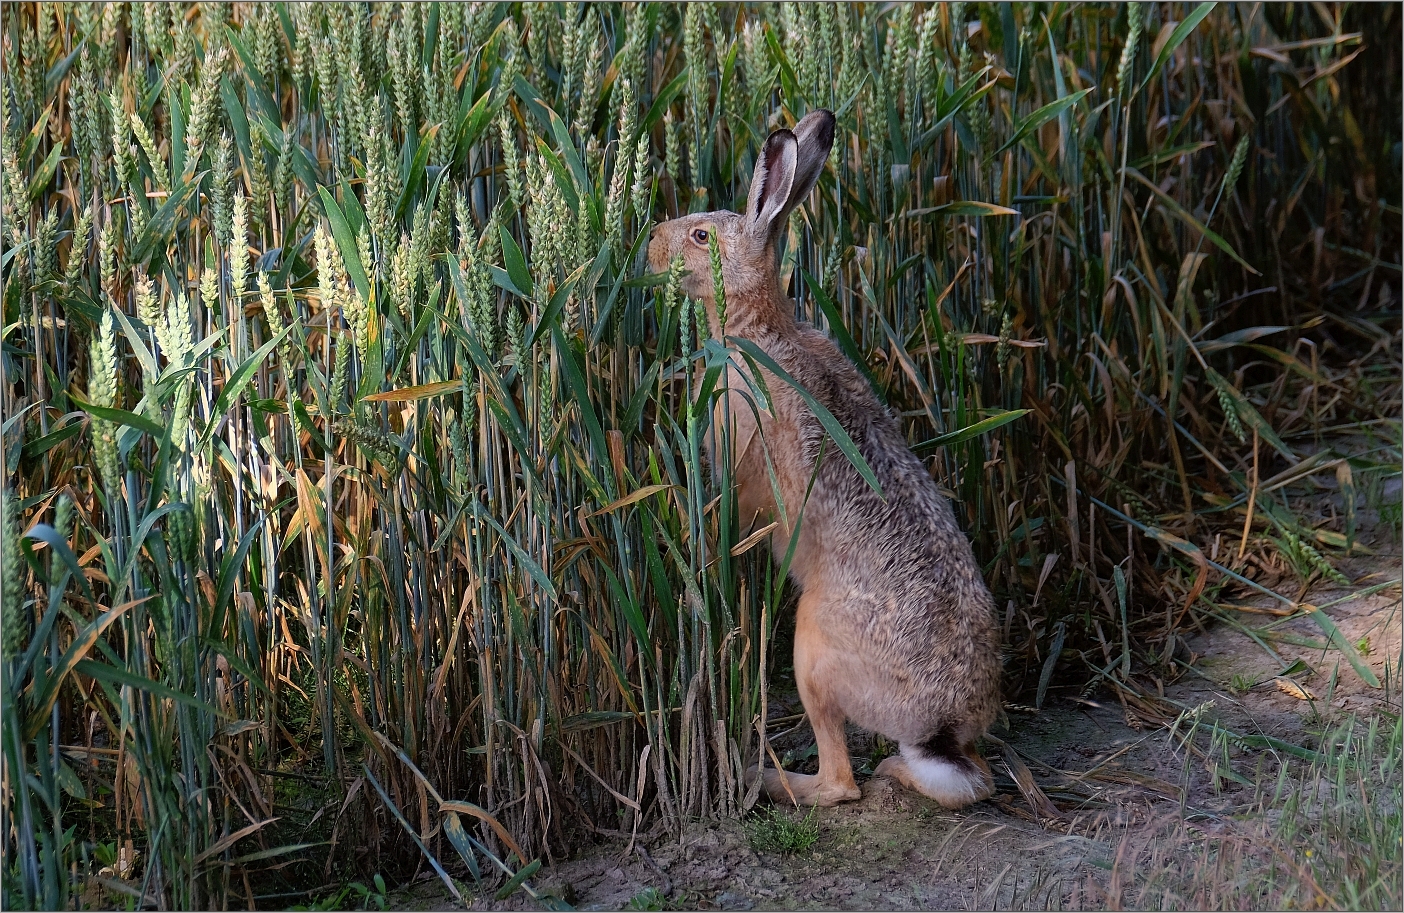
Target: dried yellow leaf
1287 686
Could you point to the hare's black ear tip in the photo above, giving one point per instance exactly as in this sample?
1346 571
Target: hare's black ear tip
817 127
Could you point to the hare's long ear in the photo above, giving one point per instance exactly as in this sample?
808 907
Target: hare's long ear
788 168
815 135
771 183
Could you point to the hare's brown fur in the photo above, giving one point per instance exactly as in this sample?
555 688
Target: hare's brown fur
896 628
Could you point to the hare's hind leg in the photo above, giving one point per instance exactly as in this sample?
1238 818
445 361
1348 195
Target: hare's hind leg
951 772
817 680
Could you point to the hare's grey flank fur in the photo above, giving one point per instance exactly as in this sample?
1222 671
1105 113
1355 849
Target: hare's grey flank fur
895 628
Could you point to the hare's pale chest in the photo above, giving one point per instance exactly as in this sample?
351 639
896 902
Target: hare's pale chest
767 427
741 421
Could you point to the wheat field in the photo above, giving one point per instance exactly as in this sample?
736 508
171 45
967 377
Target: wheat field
356 517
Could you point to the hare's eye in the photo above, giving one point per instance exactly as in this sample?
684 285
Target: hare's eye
700 235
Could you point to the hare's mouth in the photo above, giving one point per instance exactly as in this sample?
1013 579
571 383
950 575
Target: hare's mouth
655 256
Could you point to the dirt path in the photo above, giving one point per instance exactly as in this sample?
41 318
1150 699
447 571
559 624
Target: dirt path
1115 775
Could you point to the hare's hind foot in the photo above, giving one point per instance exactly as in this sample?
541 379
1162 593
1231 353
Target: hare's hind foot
784 788
953 783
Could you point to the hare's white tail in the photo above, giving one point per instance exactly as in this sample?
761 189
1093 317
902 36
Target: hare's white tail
954 782
945 767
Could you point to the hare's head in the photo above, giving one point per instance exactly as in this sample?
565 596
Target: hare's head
785 172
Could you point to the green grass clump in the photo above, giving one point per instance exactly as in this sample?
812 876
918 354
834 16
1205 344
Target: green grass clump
775 830
343 444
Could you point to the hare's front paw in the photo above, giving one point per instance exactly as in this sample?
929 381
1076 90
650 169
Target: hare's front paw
833 794
785 788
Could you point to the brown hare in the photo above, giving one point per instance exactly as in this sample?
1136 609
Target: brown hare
895 628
